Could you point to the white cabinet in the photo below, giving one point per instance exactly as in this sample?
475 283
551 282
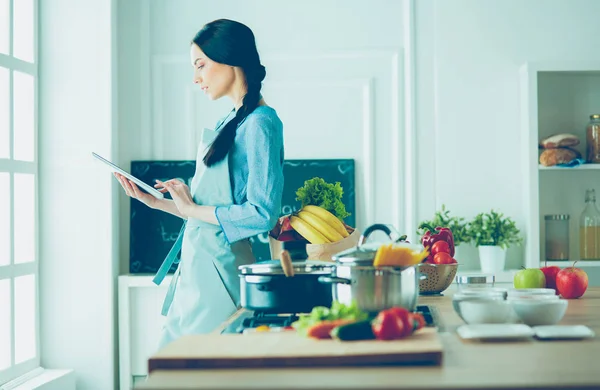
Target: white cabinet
140 323
557 98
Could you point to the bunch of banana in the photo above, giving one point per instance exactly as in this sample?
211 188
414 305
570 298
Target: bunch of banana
318 225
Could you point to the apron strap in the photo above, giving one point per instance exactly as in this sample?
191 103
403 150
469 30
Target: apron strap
164 270
170 259
170 292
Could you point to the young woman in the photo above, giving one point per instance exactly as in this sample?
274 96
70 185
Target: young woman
235 192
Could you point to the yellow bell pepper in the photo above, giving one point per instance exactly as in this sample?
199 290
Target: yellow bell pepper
397 255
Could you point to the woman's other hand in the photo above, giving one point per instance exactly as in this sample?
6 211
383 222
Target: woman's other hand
133 191
180 193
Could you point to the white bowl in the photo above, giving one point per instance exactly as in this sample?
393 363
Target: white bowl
485 311
528 298
478 291
539 311
538 297
460 297
531 291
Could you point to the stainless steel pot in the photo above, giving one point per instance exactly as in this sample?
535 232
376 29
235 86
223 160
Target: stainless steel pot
354 278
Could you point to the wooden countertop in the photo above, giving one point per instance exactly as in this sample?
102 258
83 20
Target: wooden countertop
466 365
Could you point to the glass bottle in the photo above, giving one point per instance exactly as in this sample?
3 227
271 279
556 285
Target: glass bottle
557 237
592 136
589 228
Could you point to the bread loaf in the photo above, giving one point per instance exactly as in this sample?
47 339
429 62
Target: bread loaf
550 157
559 141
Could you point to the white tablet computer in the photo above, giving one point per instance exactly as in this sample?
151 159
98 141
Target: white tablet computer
152 191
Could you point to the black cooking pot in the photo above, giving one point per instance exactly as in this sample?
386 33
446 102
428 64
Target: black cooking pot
264 286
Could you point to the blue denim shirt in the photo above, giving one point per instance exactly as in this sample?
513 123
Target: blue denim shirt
256 175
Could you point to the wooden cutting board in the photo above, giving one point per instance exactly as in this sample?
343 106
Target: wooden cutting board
287 349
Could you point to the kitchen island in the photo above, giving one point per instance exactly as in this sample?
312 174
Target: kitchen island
531 364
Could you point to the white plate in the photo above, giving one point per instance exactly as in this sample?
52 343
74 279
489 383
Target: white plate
563 332
494 331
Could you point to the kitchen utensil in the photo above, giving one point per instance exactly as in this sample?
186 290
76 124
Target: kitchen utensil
354 278
288 349
286 264
265 287
439 277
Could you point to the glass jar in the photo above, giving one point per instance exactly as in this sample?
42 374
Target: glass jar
589 228
593 139
557 237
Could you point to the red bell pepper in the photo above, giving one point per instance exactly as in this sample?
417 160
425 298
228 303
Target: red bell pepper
433 235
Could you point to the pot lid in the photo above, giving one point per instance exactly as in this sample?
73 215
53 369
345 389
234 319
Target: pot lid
360 254
273 267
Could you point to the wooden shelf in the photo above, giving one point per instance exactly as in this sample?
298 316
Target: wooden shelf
583 167
568 263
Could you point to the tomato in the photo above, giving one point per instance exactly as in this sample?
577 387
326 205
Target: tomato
392 324
418 321
440 247
387 326
443 258
404 316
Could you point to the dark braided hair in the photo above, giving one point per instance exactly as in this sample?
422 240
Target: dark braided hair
232 43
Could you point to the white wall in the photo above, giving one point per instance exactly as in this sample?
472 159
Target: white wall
333 67
78 263
468 58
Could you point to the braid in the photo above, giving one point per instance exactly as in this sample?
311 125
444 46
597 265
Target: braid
224 141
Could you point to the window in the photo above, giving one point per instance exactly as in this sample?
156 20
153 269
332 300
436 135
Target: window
19 313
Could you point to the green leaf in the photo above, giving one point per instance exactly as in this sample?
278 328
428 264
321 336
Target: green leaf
494 229
338 311
318 192
457 225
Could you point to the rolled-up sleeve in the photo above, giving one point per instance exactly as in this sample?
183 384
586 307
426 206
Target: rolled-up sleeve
263 139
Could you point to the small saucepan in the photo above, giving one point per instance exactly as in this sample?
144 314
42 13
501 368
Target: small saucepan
286 286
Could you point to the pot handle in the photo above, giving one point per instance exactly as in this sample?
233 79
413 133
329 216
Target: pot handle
384 228
332 280
371 229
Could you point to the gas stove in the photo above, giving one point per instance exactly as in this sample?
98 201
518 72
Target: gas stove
249 320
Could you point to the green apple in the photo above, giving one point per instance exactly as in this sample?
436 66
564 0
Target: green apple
530 278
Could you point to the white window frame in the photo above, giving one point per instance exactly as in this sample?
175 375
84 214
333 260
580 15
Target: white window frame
18 373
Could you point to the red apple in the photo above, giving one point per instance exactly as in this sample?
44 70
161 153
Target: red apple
571 282
550 274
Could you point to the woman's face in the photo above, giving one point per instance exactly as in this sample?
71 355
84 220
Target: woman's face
215 79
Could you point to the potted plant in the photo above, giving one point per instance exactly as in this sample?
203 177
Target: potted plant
493 234
457 225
